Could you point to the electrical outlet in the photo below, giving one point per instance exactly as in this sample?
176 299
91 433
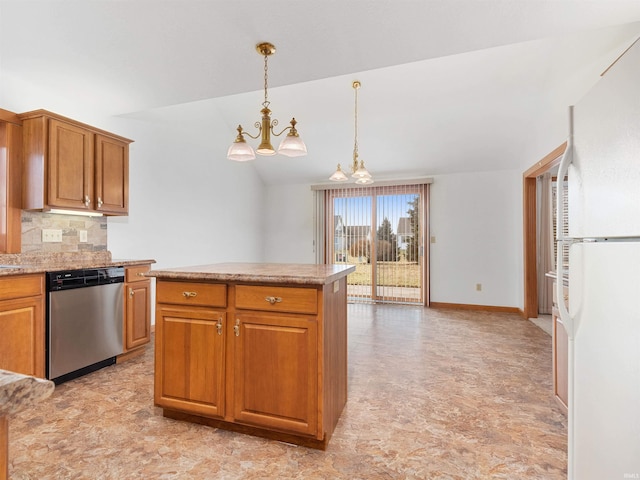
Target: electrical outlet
478 287
51 235
82 235
433 239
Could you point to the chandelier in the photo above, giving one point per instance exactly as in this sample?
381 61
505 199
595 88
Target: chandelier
358 170
291 146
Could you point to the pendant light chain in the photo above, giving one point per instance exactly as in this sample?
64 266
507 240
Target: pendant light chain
355 142
266 102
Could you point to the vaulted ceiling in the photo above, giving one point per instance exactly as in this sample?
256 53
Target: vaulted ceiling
447 85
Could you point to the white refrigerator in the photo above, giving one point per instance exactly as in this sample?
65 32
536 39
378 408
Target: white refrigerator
603 318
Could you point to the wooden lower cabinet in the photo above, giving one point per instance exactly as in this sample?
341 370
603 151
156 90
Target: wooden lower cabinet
264 372
275 367
22 325
190 360
137 309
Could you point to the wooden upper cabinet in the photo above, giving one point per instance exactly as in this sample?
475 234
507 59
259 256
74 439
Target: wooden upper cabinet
112 175
73 166
70 182
10 187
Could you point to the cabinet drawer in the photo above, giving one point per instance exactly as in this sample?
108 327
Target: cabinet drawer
137 273
20 286
189 293
277 299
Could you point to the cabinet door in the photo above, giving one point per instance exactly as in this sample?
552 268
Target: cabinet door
138 314
22 336
276 371
70 176
190 360
112 175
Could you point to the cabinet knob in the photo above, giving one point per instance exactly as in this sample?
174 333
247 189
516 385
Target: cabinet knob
273 300
87 201
99 202
236 328
189 294
131 292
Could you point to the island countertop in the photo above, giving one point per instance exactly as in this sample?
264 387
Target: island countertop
282 273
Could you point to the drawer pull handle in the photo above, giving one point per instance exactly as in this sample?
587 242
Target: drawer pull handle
140 274
189 294
273 300
219 326
236 328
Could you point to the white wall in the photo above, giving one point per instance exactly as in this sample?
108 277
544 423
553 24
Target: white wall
289 224
477 221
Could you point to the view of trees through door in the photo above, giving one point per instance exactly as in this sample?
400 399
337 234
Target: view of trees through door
380 230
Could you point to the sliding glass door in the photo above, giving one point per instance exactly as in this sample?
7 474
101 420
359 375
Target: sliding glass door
380 230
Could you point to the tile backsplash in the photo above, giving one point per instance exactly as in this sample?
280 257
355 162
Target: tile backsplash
71 225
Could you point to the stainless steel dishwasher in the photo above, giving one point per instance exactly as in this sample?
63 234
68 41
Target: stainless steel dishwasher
84 321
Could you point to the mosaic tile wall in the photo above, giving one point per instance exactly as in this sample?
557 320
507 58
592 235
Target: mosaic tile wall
34 222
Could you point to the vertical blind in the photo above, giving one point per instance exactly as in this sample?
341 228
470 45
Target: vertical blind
565 216
379 229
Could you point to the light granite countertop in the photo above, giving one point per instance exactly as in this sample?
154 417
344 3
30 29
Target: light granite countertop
18 391
25 263
284 273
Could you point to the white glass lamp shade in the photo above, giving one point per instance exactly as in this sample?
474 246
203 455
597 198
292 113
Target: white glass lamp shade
338 175
361 172
292 146
240 151
364 181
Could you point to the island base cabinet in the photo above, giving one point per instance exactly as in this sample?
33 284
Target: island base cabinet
275 372
267 359
190 360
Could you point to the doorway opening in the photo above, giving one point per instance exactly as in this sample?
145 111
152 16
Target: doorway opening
533 271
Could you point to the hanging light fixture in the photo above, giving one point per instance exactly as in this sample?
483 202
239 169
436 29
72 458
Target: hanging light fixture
358 170
291 146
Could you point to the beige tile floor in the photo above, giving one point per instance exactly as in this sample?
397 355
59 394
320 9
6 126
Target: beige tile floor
433 394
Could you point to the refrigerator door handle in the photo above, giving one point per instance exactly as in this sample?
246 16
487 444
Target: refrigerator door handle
565 317
563 168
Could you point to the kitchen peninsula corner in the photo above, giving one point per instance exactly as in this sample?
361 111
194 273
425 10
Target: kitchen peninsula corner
254 348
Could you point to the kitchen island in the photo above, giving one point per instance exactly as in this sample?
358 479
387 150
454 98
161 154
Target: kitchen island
254 348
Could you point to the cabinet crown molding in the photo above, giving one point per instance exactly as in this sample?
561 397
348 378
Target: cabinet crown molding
48 114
